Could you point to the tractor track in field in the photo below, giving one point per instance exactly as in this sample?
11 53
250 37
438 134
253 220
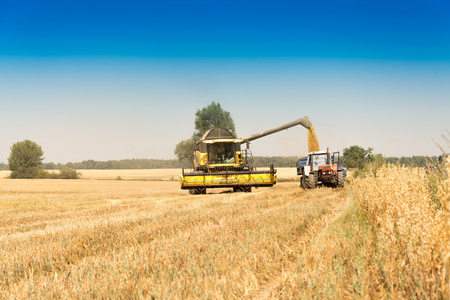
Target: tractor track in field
268 289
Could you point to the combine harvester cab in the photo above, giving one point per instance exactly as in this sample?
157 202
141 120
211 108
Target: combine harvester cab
219 162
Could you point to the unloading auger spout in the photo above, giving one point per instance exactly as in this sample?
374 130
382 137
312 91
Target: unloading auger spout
313 143
305 122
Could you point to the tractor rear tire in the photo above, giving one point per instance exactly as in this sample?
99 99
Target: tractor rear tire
311 181
340 180
302 182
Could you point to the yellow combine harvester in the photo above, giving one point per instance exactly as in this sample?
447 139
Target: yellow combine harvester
219 161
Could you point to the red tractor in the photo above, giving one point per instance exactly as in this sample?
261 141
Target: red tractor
321 167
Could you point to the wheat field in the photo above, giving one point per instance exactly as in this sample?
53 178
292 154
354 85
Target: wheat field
138 239
381 236
408 212
392 241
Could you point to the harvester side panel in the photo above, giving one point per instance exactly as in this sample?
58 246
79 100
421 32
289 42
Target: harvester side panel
228 179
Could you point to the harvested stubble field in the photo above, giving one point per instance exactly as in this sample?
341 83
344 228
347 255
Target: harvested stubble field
117 238
94 238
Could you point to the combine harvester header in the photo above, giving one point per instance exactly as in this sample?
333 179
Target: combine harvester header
219 161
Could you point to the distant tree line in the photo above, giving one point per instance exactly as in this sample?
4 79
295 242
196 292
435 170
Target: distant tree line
258 161
119 164
413 161
357 157
277 161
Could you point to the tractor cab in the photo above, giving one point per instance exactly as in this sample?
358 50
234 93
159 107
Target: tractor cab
321 167
322 162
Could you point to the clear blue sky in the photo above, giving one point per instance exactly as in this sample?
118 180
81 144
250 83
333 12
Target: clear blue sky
122 79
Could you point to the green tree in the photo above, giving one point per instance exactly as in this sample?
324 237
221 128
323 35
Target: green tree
211 116
355 157
184 150
25 160
68 173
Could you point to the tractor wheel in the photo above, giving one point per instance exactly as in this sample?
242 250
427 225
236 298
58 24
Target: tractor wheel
340 180
302 182
248 189
311 181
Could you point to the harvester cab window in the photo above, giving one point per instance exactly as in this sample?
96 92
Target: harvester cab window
221 153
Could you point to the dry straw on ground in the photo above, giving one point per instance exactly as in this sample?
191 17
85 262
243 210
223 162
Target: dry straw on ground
385 236
101 239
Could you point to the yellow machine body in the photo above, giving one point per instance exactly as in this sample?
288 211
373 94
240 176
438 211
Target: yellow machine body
198 180
219 162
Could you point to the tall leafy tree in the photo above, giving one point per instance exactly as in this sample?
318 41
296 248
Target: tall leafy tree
184 150
356 156
25 160
211 116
